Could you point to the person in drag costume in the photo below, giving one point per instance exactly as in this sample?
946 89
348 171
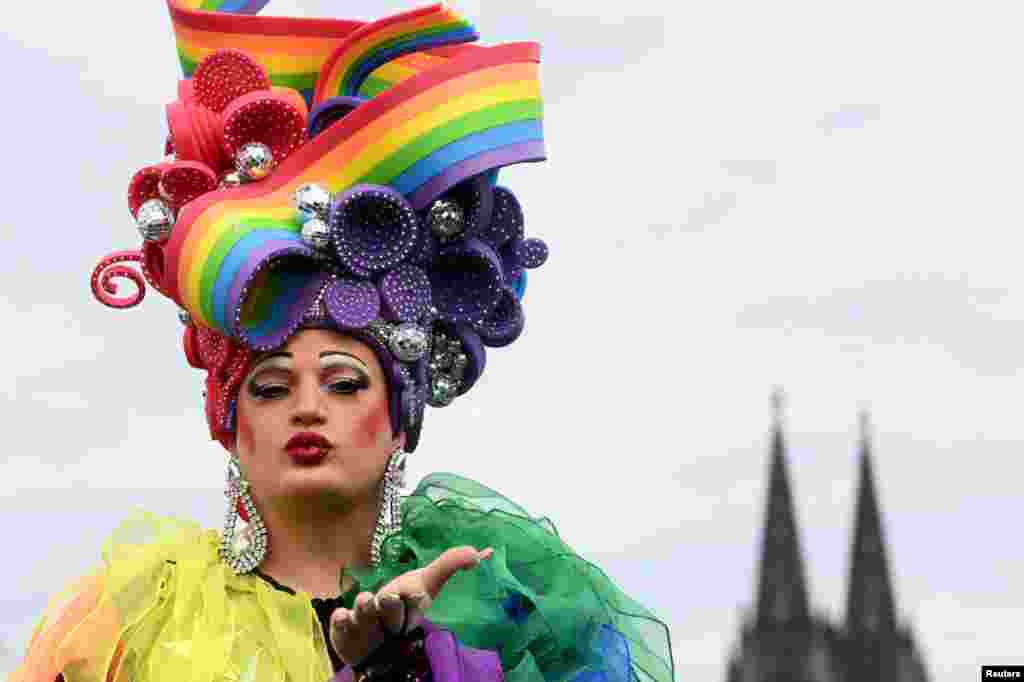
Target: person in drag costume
328 218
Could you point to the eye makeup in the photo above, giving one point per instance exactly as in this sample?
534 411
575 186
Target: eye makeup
344 373
269 378
340 373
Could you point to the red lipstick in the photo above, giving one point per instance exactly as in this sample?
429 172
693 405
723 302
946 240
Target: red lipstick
307 448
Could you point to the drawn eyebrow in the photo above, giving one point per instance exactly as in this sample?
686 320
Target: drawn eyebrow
268 358
277 354
329 353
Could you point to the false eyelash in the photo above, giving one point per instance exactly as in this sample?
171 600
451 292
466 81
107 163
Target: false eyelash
351 386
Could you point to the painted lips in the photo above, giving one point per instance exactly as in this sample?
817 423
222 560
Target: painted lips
307 448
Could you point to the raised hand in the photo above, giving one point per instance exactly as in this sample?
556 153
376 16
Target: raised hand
398 606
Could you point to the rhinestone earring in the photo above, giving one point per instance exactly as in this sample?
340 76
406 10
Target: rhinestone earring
389 515
243 544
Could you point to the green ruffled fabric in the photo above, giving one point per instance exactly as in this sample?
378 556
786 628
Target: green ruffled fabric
548 612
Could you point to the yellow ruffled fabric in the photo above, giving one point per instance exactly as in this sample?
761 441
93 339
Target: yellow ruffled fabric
163 608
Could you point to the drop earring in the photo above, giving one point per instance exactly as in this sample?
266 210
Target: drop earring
389 515
243 543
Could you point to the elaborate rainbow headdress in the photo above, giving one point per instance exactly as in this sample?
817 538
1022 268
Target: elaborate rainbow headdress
335 173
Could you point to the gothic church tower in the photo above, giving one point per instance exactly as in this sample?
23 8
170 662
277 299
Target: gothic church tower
783 640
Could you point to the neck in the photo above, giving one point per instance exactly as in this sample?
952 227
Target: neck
310 544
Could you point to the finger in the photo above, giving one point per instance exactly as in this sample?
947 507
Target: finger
437 573
341 621
416 606
420 601
366 618
392 612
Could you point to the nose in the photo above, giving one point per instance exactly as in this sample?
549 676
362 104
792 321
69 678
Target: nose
309 405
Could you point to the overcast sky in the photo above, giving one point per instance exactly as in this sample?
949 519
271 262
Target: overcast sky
817 195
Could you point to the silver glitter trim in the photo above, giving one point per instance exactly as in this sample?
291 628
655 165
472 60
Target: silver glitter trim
389 514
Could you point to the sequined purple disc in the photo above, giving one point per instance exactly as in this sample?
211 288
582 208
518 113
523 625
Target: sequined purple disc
531 253
506 220
509 258
467 282
426 254
504 324
405 292
352 304
374 229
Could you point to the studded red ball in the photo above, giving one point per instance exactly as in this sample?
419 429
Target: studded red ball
184 181
226 75
271 119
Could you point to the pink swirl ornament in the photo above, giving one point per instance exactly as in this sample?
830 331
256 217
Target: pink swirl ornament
104 288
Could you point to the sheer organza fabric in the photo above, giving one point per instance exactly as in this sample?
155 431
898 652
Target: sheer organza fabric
163 608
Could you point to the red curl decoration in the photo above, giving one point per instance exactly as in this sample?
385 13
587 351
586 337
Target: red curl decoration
104 288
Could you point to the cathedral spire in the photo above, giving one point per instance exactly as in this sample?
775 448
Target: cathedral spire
782 592
869 602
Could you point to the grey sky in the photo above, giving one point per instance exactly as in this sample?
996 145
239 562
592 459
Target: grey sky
739 195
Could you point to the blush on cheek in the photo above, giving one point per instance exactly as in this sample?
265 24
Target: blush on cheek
245 435
375 426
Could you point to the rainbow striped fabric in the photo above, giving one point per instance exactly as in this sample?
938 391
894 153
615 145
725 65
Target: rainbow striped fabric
378 43
295 50
446 119
235 6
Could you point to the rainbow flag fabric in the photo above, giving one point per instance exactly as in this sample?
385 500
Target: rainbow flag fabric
439 112
295 51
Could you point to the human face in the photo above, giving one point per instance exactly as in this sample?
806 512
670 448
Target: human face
324 383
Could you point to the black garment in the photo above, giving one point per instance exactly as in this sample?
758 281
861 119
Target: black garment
402 659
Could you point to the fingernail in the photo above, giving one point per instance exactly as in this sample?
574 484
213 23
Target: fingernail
386 601
418 596
343 619
486 554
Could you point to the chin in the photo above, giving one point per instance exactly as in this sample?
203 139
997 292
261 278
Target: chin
319 480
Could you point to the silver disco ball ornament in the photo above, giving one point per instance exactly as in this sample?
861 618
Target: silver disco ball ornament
311 201
232 179
408 342
316 234
184 317
446 219
154 220
254 160
443 390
